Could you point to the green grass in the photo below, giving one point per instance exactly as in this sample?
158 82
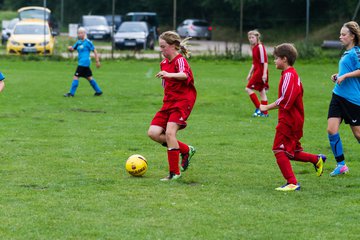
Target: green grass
62 160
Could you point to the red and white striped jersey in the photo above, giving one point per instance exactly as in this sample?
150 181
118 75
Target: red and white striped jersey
291 107
259 55
177 90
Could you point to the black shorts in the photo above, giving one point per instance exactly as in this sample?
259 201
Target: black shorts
84 72
347 111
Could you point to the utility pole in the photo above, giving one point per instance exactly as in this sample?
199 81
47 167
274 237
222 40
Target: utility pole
113 29
174 14
241 25
45 25
307 20
62 15
356 11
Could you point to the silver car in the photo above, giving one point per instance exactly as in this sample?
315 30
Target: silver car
97 27
197 28
8 30
136 35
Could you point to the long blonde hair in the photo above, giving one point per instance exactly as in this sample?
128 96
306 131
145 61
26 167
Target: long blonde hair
256 33
172 38
355 30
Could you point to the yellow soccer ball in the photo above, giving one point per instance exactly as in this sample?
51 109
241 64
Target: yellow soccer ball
136 165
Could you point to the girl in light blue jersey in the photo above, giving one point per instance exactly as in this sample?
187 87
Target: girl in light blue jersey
84 47
345 102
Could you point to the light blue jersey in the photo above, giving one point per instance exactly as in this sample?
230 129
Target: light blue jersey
350 87
84 48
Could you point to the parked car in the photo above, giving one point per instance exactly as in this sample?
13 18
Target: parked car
197 28
40 13
118 20
8 30
149 17
31 36
134 35
96 27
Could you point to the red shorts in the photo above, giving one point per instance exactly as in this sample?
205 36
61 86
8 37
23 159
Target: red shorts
256 82
287 144
177 112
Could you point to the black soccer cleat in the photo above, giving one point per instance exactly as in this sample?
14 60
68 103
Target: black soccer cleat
98 94
68 95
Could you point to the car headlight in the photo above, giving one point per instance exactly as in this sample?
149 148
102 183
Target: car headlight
141 40
44 43
15 43
119 39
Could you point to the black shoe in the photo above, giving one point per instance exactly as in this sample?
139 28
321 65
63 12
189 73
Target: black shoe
68 95
98 93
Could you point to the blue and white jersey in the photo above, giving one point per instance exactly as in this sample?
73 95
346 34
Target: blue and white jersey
84 48
350 87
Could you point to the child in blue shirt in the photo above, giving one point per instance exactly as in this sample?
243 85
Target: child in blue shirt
345 102
84 47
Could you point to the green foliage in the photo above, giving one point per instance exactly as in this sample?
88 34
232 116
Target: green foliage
62 160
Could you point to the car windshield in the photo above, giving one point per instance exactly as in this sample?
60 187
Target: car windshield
95 21
150 19
12 23
200 23
132 27
34 14
31 29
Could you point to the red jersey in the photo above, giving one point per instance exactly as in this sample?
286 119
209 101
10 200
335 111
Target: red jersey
291 108
177 90
259 58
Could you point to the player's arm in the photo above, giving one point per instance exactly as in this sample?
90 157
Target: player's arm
250 72
264 76
2 85
353 74
97 58
268 107
181 76
72 48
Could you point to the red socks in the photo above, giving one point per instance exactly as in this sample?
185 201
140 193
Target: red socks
183 148
284 164
173 159
264 103
306 157
255 100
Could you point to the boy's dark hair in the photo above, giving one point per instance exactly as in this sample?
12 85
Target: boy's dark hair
286 50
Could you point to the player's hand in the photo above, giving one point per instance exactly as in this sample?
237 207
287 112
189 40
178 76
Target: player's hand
161 74
263 108
334 77
70 48
264 78
98 64
339 80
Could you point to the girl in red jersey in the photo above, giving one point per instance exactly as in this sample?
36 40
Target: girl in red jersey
179 99
258 75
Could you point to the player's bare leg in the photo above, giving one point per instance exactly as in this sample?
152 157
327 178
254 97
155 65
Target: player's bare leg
157 134
336 146
356 132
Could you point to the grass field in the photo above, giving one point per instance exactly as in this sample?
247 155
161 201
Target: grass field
62 160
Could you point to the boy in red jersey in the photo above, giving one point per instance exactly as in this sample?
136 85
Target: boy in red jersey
289 130
179 99
258 75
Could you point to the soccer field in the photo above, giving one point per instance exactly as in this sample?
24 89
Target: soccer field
62 160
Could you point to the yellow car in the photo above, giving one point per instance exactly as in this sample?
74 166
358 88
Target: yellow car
31 36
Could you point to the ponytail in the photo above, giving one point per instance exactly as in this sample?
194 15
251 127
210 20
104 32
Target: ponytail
173 38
